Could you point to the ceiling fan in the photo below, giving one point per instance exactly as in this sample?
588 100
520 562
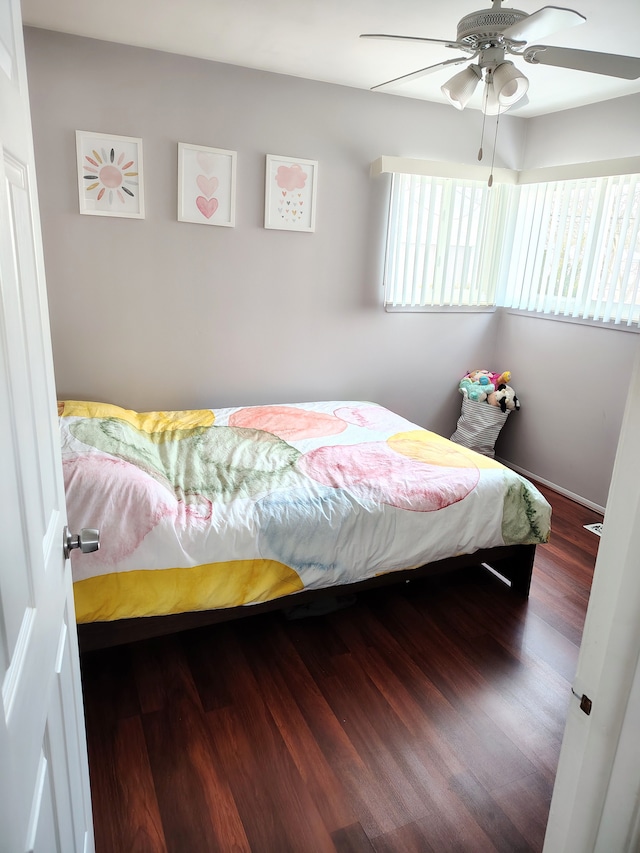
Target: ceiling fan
488 35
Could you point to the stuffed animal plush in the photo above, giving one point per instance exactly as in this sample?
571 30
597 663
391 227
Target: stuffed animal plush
477 391
481 376
505 397
499 378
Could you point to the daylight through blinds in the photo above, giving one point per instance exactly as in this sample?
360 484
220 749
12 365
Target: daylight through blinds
569 248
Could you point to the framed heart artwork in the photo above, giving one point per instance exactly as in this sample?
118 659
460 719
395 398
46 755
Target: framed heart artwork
206 185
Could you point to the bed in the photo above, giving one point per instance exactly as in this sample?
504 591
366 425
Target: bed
209 514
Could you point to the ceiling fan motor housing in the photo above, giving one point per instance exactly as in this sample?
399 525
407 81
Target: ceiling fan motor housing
487 25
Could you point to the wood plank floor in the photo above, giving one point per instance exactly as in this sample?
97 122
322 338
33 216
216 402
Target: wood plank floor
422 718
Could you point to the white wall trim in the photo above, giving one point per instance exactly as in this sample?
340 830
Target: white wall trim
439 169
567 494
570 171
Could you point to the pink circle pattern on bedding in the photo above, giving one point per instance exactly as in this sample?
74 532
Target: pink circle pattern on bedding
138 497
287 422
292 423
375 471
125 486
371 417
391 472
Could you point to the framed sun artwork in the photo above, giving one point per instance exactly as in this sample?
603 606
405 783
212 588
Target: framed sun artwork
110 175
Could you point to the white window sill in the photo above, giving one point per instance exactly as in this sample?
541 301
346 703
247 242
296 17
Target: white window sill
596 324
440 309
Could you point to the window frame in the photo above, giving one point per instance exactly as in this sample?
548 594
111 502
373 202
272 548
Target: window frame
503 228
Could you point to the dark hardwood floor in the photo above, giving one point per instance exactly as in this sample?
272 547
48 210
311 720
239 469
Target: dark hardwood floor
425 717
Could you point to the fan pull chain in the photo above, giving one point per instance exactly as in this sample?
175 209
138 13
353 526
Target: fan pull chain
484 117
493 156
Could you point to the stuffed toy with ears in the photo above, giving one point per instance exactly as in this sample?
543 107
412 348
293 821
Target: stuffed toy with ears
505 397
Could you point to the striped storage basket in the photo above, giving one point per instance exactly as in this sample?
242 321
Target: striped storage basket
479 425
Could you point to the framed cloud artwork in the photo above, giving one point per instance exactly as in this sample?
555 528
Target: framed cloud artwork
109 175
290 193
206 185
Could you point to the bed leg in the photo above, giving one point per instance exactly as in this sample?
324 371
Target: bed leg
518 569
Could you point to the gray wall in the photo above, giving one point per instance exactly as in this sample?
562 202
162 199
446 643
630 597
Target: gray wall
604 131
156 313
572 379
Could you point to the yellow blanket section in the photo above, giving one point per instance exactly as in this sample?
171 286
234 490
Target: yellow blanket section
429 447
157 592
146 421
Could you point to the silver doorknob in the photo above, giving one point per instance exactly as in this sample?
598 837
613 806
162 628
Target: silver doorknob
87 540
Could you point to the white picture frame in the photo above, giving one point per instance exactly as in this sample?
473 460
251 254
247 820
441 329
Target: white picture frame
290 193
206 185
110 175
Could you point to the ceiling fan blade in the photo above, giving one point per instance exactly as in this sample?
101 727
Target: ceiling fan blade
545 21
459 45
422 72
609 64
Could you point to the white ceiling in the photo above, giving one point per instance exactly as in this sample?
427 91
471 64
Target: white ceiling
318 39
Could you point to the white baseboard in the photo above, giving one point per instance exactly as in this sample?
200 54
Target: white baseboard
567 494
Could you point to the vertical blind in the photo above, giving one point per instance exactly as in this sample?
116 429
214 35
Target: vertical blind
576 249
439 242
569 248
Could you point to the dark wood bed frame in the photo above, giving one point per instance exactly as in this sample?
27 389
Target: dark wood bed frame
513 563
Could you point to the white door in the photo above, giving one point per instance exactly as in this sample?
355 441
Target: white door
596 800
44 781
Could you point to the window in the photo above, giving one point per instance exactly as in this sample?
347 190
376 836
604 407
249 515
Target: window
439 250
569 248
576 249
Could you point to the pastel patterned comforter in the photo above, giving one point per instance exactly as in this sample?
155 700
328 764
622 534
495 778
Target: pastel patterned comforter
223 507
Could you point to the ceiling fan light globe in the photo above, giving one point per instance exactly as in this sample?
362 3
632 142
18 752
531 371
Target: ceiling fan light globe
509 84
460 88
